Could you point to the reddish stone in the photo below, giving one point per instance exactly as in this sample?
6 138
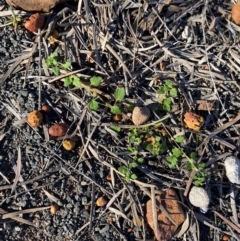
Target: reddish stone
166 228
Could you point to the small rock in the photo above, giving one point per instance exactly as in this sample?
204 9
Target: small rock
58 130
101 201
232 165
54 208
35 22
166 228
35 118
46 108
140 115
36 5
198 197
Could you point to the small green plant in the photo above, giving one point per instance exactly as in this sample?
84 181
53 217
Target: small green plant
14 20
53 63
174 157
167 91
127 170
119 95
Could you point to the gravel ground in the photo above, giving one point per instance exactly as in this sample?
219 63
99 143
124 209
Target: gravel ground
75 179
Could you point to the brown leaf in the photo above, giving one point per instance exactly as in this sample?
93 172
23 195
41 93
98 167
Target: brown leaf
205 105
193 121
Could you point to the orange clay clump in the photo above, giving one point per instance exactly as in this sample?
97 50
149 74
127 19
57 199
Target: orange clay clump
193 121
68 145
236 13
101 201
35 118
35 22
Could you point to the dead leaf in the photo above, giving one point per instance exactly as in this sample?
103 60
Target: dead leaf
193 121
205 105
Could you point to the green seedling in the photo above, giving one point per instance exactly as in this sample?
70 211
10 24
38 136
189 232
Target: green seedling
14 20
167 91
53 63
173 159
127 170
119 95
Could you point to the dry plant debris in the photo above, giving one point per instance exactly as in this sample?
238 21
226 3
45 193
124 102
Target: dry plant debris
105 60
166 227
35 118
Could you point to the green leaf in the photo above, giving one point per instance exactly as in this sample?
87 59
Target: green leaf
130 107
172 161
168 84
167 104
55 62
76 81
176 152
115 128
115 110
161 90
123 170
157 138
179 139
140 160
201 166
132 139
163 147
56 70
149 147
133 164
67 81
93 105
173 92
189 166
48 62
96 80
54 55
193 155
66 65
119 94
133 176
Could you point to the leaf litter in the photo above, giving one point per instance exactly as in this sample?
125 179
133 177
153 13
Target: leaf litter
127 42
